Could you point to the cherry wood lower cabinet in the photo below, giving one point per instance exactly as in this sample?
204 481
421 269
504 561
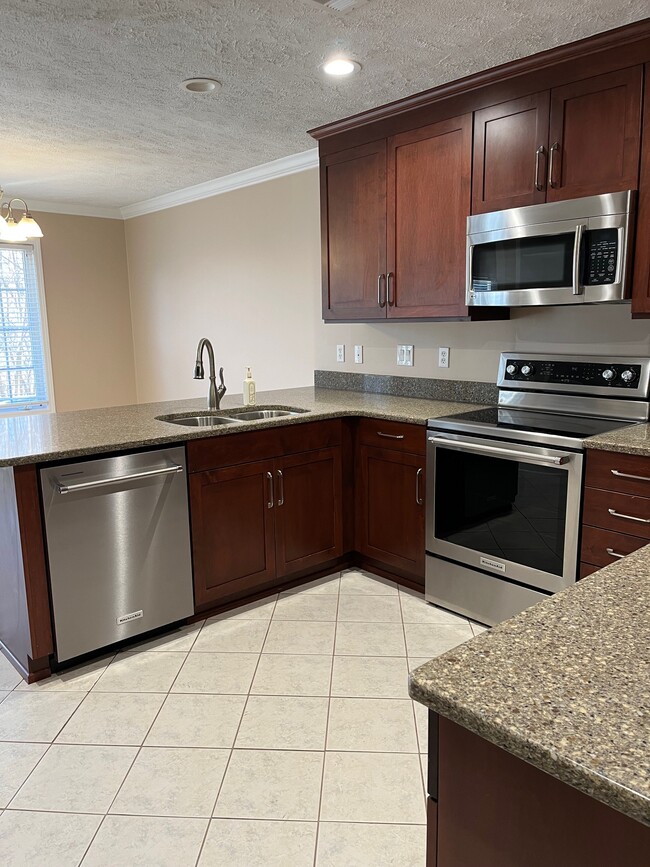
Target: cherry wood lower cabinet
255 523
390 496
489 808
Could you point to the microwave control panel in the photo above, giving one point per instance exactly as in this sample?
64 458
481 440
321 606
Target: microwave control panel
601 249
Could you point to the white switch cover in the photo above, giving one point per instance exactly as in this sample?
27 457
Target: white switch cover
443 356
340 352
358 354
405 355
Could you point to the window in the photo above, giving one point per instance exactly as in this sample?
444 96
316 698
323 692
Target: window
24 358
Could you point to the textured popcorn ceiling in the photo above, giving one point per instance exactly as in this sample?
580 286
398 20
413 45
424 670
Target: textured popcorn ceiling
91 110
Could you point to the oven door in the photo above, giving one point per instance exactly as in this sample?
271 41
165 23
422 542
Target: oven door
505 508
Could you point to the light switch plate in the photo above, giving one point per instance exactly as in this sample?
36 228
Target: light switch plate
340 352
443 356
358 354
405 355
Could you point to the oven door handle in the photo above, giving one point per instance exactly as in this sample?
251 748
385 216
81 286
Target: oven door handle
526 457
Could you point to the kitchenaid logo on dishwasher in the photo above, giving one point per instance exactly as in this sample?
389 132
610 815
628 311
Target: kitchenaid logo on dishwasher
493 564
134 615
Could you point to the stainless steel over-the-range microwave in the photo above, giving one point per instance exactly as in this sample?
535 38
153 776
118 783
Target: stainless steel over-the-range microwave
572 252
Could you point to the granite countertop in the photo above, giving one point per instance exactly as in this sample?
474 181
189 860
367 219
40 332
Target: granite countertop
36 438
632 440
564 685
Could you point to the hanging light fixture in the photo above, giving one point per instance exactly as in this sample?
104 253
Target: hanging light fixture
17 230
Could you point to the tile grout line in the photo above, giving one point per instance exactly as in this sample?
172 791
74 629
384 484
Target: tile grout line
232 748
327 723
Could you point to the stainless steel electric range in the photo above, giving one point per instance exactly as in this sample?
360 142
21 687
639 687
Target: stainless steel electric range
504 484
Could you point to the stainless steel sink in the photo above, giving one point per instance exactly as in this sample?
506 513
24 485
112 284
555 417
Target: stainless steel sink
198 420
253 415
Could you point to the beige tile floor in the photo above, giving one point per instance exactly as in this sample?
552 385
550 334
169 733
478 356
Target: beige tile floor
277 735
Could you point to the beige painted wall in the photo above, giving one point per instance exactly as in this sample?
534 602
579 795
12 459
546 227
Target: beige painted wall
88 311
242 269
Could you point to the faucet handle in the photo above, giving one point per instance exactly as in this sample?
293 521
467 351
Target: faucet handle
222 387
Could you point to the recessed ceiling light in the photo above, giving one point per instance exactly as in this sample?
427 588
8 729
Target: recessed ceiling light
341 66
201 85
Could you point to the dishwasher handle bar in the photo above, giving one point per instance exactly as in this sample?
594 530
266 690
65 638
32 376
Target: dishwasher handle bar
62 488
513 454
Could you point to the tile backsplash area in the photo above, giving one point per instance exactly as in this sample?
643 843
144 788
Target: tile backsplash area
604 329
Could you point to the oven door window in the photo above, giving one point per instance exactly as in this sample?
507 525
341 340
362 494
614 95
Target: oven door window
506 509
542 262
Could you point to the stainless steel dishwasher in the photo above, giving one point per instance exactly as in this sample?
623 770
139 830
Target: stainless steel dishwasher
118 544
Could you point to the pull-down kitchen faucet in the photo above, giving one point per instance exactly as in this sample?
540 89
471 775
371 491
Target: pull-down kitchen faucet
214 394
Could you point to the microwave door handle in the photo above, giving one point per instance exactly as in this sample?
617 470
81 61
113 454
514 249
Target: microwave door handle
512 454
577 245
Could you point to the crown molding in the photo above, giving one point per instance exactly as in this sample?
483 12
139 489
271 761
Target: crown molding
235 181
75 210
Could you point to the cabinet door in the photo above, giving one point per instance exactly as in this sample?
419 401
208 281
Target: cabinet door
595 135
353 231
308 511
232 531
390 508
510 152
429 187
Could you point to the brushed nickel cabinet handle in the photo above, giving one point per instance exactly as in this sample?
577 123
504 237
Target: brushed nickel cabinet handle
269 504
418 498
281 494
390 436
539 184
630 476
554 148
381 301
628 517
613 553
390 280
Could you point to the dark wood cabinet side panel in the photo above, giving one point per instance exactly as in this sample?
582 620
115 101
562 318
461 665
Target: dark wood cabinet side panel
499 811
432 833
508 171
641 273
354 232
429 198
597 125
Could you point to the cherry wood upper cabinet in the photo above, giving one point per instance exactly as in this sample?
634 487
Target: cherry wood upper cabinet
595 135
510 154
428 199
353 232
309 499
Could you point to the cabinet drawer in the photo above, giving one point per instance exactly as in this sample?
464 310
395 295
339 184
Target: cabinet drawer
587 569
393 435
631 514
231 449
597 543
612 471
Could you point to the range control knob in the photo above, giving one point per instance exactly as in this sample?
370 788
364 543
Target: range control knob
527 369
511 369
608 374
628 375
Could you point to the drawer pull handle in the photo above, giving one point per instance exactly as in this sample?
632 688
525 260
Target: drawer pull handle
628 517
390 436
270 502
613 553
418 499
630 476
281 481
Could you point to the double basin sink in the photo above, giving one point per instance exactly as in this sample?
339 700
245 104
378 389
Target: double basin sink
231 416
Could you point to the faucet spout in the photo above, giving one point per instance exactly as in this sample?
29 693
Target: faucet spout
214 394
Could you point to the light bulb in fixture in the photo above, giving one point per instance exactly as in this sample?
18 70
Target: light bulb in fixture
341 66
12 231
30 227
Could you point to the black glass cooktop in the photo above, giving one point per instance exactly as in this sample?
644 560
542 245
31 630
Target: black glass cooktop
501 422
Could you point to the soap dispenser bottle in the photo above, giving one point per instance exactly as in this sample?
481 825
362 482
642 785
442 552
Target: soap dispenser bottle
249 388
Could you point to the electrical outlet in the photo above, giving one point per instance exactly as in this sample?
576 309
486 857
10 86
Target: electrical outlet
340 352
443 356
358 354
405 355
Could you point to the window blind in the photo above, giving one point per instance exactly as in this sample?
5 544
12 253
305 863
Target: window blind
23 376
